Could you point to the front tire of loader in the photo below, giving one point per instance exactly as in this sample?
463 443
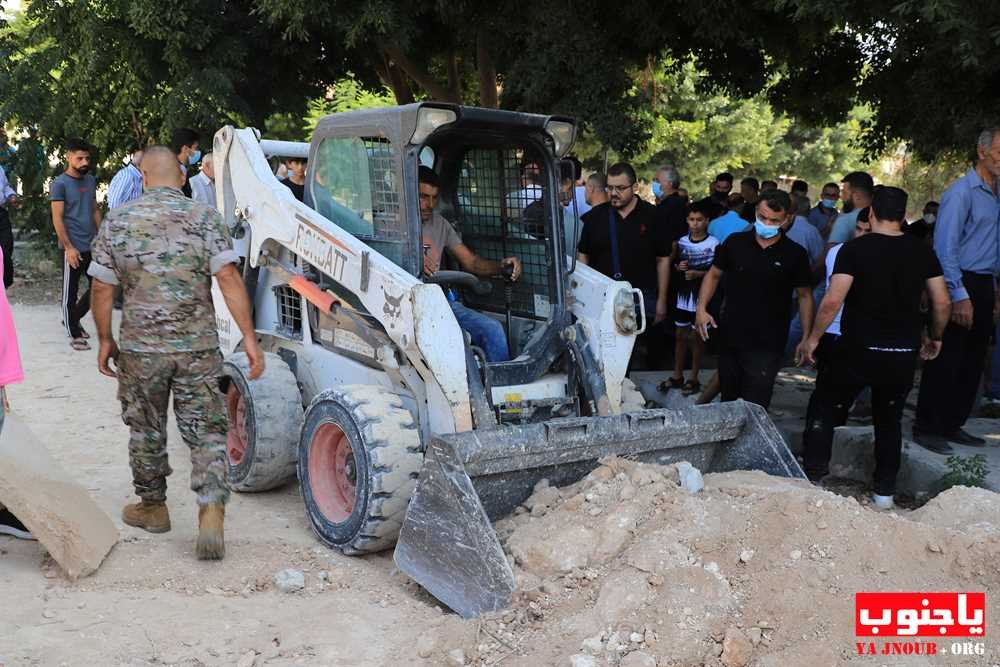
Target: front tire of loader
265 416
359 458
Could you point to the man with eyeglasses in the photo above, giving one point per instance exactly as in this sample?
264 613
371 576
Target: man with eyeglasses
622 240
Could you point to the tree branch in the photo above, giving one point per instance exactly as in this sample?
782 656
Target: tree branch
420 75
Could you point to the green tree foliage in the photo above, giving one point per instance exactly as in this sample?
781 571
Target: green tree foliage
117 72
706 131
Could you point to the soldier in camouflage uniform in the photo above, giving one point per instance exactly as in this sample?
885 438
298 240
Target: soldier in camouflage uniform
163 249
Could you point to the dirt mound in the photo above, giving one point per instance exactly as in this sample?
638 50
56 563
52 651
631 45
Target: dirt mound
962 509
628 568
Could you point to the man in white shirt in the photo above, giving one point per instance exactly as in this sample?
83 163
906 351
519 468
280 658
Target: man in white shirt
203 184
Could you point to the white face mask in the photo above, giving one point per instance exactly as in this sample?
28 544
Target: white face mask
929 218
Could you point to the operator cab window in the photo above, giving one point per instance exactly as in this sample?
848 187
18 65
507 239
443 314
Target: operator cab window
354 186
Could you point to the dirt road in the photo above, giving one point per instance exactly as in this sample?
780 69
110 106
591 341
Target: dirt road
152 602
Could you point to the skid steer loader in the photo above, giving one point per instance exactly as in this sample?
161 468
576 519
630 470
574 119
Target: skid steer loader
396 426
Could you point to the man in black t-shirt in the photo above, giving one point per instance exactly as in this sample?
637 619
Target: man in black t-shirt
879 280
641 252
296 181
759 270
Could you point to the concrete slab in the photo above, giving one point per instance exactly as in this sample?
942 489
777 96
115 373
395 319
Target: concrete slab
58 511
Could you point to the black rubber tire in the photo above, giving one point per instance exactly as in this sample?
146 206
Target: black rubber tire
273 420
385 441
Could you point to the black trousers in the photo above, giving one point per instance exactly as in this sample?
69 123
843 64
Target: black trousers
7 245
852 368
74 308
949 383
748 374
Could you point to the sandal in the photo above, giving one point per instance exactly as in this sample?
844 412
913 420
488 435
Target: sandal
84 334
670 383
691 387
80 344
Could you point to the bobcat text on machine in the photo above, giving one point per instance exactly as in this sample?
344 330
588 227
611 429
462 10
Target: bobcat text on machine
397 427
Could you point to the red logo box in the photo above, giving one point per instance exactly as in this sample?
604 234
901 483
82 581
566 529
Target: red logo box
920 614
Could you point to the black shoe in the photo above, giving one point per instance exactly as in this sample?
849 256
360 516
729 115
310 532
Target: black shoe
932 441
11 525
963 438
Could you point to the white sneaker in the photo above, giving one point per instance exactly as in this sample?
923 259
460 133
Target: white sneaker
883 503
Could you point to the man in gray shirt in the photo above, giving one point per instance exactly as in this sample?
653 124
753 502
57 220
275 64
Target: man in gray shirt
76 218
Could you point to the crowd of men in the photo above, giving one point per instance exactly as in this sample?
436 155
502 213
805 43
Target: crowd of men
766 278
760 276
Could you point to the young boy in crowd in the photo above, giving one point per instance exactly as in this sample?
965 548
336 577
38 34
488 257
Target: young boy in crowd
692 258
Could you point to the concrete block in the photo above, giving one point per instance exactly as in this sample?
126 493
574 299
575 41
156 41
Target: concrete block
58 511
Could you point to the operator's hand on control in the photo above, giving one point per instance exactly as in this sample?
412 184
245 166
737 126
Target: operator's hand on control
430 265
961 313
703 322
516 264
661 311
72 256
256 357
929 349
107 352
805 352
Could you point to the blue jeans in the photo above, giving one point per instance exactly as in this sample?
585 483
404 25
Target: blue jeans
486 332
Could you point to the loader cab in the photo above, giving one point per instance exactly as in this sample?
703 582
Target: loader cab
499 186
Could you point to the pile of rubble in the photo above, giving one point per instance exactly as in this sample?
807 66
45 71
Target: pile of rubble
638 566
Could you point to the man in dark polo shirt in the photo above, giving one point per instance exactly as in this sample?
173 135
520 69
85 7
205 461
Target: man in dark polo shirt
639 251
759 270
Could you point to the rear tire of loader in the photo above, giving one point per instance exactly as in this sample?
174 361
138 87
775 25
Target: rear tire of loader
265 416
359 458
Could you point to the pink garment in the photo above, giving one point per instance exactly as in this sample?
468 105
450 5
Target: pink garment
10 358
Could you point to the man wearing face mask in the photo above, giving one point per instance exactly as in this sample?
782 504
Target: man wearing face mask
822 215
758 269
924 227
184 143
76 218
671 209
718 194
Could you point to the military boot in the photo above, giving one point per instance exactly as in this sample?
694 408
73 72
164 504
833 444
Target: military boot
211 545
150 516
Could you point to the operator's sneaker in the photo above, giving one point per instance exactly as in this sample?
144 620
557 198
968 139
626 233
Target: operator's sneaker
11 525
883 503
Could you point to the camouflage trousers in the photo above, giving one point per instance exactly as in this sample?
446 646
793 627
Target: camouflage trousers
145 382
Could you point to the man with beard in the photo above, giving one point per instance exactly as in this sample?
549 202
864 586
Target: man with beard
622 240
856 190
718 194
76 218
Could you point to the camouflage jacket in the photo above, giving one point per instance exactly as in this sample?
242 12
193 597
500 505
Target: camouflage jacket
163 249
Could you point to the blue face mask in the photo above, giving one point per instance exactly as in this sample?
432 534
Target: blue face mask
657 192
765 231
194 157
829 203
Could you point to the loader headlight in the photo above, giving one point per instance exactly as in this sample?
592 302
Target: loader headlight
430 119
563 134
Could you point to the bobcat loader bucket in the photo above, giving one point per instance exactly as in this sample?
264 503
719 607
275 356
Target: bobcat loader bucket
447 542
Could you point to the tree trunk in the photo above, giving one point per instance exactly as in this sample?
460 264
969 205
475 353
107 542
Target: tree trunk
420 75
392 76
486 70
